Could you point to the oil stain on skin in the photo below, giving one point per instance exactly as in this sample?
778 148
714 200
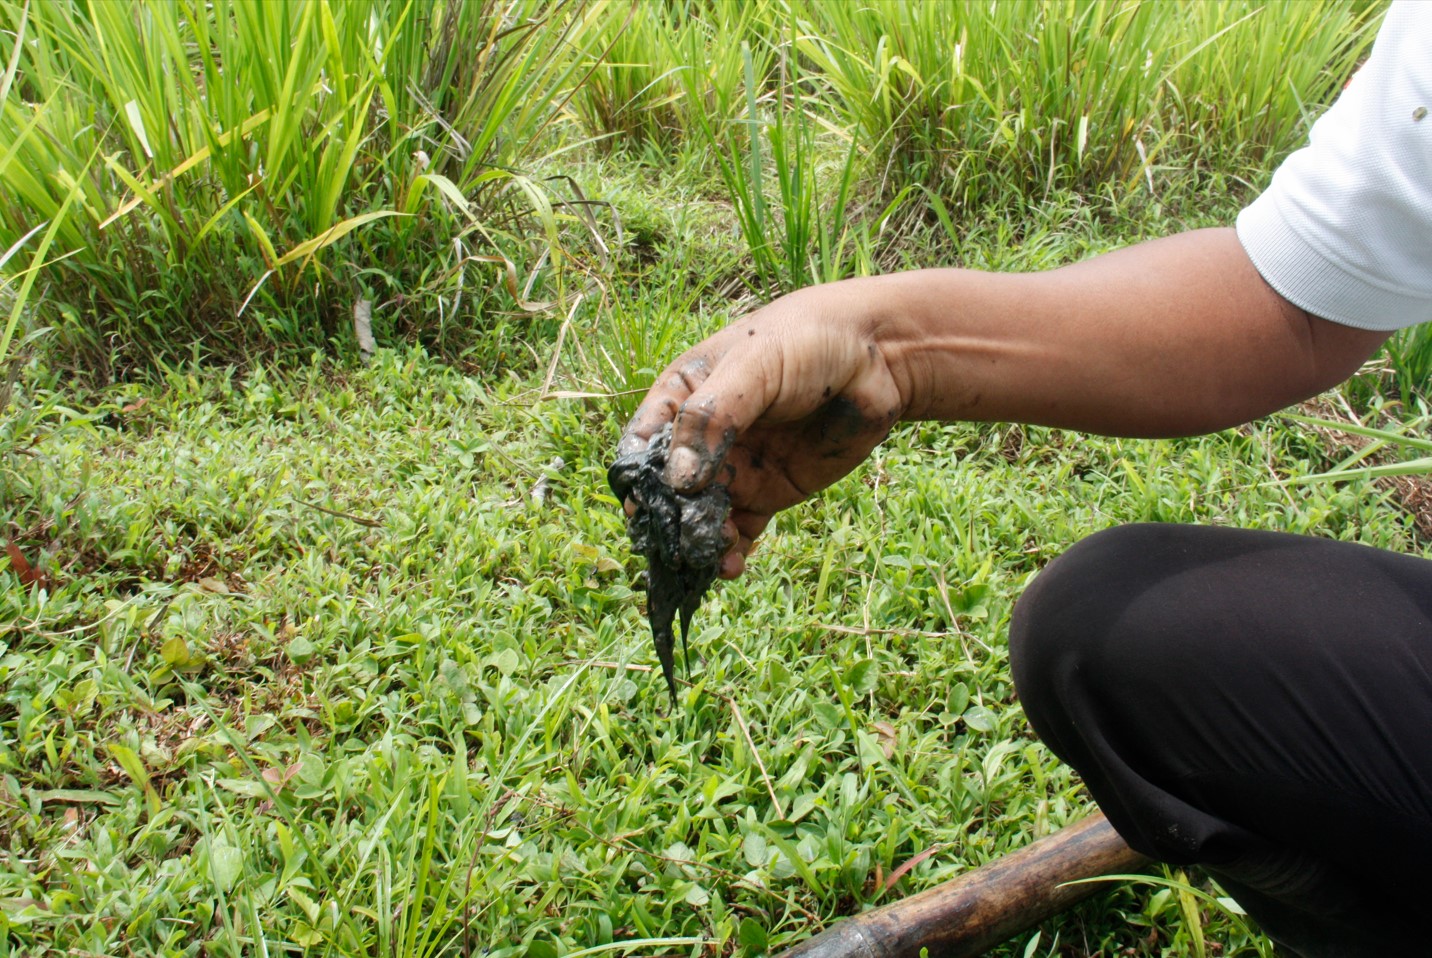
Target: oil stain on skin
680 536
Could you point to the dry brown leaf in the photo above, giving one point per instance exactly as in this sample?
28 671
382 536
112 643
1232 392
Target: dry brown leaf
888 737
363 326
26 573
509 279
899 873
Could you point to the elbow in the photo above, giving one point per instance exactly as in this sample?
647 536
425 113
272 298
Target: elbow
1336 351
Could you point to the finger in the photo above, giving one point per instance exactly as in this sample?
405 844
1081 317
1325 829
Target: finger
730 535
630 442
733 564
725 403
665 397
750 525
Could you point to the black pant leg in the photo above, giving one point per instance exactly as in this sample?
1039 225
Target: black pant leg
1237 698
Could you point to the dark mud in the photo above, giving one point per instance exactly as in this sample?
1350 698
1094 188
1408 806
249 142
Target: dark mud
679 535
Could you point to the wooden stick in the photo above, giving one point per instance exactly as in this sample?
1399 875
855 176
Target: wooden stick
970 914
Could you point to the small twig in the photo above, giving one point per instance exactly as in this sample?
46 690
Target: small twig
370 523
955 619
770 789
557 349
872 630
623 666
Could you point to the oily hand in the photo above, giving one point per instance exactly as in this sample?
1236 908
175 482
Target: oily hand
775 407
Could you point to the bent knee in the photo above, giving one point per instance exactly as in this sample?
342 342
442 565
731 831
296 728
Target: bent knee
1079 596
1074 619
1079 635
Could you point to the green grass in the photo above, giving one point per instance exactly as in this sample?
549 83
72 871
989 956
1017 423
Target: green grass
244 174
1035 96
266 164
313 668
320 656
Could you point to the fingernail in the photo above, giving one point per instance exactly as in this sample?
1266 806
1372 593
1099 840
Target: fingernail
630 443
682 467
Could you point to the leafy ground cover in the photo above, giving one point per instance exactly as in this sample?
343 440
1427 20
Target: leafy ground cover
301 654
350 659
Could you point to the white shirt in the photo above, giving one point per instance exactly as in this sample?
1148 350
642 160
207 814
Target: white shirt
1345 228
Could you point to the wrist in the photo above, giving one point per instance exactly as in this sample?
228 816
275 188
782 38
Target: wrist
902 320
871 320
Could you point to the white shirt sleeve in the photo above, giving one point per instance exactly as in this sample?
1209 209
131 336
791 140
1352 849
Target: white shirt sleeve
1345 229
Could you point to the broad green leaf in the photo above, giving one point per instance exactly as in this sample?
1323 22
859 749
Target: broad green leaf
131 763
977 718
959 697
753 846
133 767
226 865
804 804
752 936
863 677
175 651
300 650
507 661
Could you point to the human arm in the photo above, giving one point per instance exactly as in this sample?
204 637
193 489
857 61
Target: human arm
1176 336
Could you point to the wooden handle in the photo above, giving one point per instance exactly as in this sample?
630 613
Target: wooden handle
970 914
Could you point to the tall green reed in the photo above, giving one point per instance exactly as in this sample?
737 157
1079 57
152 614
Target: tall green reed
1252 74
1401 372
1399 449
791 204
632 97
1018 97
1031 96
660 70
17 283
1409 359
268 163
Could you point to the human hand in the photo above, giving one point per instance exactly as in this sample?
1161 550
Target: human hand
776 406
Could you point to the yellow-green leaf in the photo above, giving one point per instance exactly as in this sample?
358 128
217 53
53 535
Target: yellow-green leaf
176 652
331 235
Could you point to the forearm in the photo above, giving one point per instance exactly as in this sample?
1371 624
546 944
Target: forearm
1177 336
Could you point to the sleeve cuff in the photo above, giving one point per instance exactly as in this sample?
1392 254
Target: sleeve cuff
1308 278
